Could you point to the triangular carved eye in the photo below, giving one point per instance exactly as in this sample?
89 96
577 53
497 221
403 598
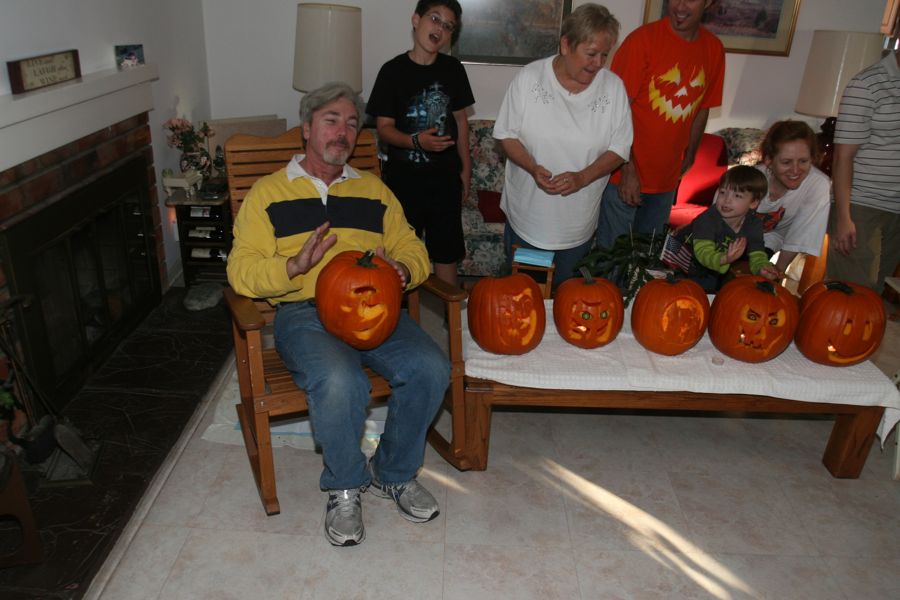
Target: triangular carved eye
700 80
673 75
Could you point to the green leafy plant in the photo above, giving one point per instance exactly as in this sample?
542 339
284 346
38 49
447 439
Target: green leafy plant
628 263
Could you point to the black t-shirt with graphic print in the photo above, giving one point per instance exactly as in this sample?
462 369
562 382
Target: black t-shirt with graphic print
420 97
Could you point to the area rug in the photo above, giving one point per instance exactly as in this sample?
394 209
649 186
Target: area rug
295 432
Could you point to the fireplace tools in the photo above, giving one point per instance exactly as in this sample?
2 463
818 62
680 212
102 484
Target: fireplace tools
50 432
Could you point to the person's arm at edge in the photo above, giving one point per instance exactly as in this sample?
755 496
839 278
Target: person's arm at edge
698 126
462 148
844 235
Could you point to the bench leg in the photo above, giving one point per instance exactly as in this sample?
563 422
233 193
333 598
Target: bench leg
258 443
478 428
850 442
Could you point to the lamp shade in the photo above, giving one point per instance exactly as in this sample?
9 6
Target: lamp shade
328 46
834 58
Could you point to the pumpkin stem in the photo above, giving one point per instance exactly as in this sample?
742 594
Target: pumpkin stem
366 260
588 279
766 286
839 286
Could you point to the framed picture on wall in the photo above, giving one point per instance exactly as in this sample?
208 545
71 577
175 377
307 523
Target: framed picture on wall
510 32
758 27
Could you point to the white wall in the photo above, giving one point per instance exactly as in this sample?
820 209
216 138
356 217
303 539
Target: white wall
172 34
233 58
250 47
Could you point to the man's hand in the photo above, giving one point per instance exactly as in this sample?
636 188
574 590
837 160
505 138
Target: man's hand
630 186
844 239
434 143
312 251
735 251
401 269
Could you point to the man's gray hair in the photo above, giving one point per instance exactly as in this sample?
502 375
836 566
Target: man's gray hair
329 92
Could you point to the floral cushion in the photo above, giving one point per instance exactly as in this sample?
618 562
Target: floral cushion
484 240
742 144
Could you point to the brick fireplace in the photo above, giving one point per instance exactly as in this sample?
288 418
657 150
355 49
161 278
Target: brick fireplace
81 243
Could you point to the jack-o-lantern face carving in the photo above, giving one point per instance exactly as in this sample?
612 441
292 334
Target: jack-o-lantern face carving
752 319
841 324
588 312
506 315
358 299
669 317
676 94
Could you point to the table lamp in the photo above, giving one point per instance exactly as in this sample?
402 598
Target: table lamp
834 58
328 46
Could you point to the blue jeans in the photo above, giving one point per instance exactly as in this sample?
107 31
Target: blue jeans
564 260
617 218
337 391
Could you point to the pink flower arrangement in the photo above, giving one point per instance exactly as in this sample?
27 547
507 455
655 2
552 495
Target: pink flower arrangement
183 136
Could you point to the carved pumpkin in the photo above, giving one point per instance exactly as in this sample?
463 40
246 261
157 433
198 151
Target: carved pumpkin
841 324
752 319
506 314
588 312
669 316
358 298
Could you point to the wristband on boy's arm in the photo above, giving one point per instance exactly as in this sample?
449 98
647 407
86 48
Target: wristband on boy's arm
415 142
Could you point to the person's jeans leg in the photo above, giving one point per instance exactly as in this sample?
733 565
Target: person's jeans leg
615 217
565 261
337 392
419 373
653 213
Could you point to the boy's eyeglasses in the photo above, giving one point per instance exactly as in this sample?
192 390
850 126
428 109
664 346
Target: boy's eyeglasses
445 25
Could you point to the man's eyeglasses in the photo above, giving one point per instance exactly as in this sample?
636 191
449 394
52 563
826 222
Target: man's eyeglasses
445 25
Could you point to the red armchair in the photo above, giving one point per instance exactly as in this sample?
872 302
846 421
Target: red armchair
698 186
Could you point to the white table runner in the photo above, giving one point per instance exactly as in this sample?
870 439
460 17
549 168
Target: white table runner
626 365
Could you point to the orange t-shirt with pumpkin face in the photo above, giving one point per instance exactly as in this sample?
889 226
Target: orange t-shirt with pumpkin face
668 80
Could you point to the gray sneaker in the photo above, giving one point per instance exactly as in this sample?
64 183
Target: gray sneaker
414 502
343 518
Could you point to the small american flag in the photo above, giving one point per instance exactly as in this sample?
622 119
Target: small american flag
676 254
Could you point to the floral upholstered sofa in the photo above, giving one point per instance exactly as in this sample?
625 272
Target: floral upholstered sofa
482 218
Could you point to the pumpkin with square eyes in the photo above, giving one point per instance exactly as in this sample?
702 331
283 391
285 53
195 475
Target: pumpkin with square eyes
668 316
841 323
358 298
506 314
588 312
752 319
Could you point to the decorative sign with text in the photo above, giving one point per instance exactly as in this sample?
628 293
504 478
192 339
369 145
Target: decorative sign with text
40 71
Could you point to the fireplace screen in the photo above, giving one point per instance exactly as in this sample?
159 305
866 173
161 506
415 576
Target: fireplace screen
86 265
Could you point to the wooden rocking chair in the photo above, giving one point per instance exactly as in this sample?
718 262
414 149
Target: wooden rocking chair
267 388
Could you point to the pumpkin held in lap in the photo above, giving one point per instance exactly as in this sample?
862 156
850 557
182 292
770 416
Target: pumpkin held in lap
358 298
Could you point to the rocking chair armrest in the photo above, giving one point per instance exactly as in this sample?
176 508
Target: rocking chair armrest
443 290
244 313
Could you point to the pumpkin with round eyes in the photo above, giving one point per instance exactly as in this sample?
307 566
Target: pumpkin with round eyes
841 323
358 298
752 319
669 316
588 312
506 314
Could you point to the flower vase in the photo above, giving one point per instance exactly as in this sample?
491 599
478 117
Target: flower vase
197 159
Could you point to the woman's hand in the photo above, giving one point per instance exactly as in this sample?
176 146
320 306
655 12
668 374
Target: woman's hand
566 183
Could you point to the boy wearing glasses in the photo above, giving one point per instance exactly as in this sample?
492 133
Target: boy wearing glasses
419 102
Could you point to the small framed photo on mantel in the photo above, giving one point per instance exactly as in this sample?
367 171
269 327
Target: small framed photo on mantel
129 56
40 71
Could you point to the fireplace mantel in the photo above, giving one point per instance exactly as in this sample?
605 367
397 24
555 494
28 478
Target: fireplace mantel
36 122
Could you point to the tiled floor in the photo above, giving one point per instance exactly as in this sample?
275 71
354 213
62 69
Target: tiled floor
573 505
135 407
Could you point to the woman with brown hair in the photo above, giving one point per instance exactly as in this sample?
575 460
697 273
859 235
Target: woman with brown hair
795 209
